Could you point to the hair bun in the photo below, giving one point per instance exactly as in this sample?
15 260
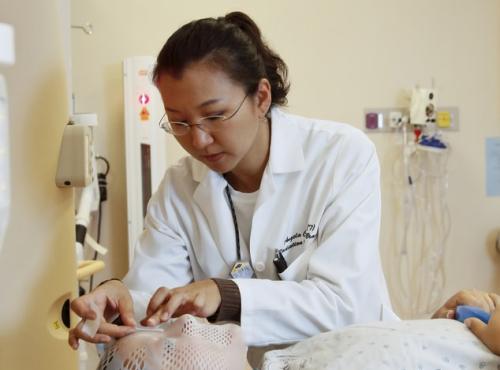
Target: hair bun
245 23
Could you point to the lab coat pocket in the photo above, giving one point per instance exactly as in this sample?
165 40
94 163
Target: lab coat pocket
297 270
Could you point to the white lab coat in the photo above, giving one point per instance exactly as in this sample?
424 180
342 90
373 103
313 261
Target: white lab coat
319 202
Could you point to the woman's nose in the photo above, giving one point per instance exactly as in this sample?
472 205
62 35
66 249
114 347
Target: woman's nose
200 139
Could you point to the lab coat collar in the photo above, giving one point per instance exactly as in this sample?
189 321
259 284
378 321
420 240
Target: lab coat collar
210 198
199 170
209 182
286 154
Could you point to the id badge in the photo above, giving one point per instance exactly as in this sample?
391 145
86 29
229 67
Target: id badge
241 270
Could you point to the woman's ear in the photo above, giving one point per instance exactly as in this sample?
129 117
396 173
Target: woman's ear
264 97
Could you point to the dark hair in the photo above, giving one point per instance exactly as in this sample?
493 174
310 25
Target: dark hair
232 43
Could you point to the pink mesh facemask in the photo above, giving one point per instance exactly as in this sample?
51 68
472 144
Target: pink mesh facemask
186 343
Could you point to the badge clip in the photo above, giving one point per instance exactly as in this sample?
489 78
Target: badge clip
242 270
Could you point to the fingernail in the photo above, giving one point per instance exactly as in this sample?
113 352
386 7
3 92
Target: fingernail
75 345
467 323
449 314
165 316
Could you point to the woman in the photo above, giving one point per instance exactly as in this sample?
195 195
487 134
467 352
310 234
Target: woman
272 222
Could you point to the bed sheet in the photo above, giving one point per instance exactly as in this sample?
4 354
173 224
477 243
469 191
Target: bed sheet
411 345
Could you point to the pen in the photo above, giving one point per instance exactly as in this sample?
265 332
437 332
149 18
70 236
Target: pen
279 261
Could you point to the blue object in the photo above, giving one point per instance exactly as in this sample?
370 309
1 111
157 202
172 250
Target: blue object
432 141
464 312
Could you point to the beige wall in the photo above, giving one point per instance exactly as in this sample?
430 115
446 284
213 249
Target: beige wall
37 263
343 56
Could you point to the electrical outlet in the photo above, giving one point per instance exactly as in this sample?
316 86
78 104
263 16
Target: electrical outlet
395 119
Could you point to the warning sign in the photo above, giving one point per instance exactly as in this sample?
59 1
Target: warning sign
144 114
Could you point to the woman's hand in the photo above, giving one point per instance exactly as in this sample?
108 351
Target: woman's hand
201 298
111 299
488 334
486 301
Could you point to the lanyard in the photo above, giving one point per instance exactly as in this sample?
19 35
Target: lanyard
235 223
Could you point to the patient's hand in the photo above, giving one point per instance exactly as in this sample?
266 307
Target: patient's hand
485 301
488 334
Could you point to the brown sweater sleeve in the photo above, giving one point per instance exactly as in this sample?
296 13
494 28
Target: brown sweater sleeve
230 307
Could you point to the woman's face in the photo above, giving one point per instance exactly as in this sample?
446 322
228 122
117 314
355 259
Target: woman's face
202 91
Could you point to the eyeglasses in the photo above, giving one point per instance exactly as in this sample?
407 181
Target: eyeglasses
208 124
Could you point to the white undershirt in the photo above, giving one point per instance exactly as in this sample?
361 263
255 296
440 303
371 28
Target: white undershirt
244 206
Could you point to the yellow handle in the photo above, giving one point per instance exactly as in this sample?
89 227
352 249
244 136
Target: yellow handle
87 268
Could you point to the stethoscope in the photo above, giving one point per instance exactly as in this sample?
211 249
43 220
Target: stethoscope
235 223
243 269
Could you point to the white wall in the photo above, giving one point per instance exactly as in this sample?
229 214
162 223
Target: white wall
343 56
37 263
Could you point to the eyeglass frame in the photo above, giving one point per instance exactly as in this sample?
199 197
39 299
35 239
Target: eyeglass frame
166 125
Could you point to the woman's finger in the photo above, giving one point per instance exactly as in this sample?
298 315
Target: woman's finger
163 313
76 333
155 318
126 310
81 306
157 300
173 304
115 331
72 340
